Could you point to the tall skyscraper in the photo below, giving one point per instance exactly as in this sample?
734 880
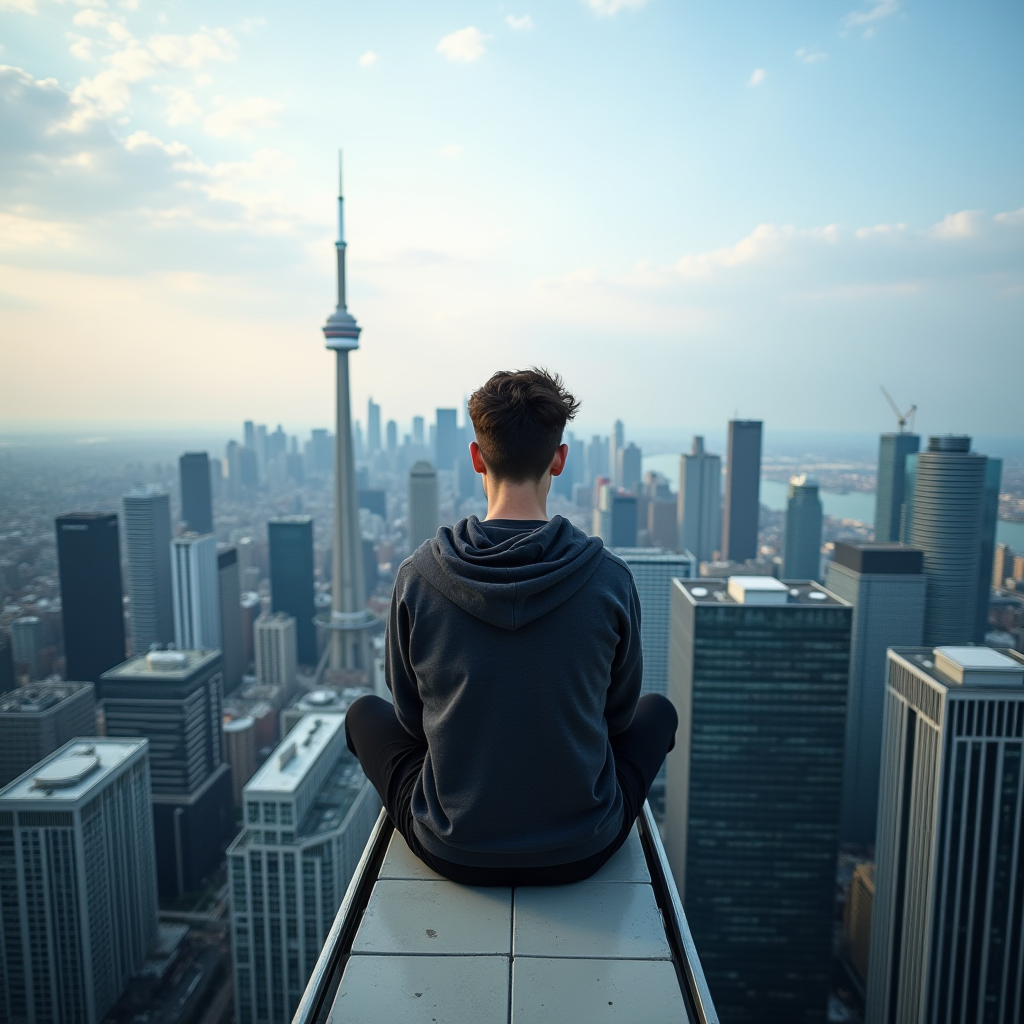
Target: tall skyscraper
308 814
742 491
392 437
229 586
27 643
946 925
292 584
423 510
196 592
372 426
630 467
240 753
886 587
147 534
615 444
758 671
89 559
275 651
249 433
79 905
893 450
449 447
700 502
804 517
196 496
418 425
945 517
350 618
174 699
989 522
616 517
35 720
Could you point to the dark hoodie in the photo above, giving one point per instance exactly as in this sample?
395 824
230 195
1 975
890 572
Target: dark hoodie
513 651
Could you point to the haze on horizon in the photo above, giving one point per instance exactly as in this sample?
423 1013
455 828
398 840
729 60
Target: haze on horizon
687 211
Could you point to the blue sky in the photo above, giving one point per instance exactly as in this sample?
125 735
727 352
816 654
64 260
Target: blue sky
688 209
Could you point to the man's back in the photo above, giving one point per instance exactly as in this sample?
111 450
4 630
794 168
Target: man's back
514 652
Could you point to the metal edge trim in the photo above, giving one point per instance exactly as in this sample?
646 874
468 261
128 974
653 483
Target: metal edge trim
692 969
339 938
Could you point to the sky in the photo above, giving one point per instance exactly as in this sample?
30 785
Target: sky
689 210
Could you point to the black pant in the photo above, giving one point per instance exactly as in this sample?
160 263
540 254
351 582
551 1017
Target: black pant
392 760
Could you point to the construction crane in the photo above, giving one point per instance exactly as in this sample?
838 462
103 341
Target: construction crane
901 417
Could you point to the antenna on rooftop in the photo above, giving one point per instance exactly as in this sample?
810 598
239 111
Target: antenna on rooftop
901 417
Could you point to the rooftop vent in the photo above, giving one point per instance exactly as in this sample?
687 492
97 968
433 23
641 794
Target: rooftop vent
758 590
65 772
978 666
166 661
286 756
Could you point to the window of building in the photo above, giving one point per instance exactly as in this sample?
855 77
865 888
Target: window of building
254 812
270 813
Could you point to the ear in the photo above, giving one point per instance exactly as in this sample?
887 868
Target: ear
478 460
558 462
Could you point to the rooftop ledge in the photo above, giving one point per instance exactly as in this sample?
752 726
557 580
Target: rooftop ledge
409 945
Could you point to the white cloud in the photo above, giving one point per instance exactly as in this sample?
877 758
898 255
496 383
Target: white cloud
368 58
811 56
182 107
868 17
757 77
520 23
88 18
109 92
243 117
192 51
466 45
452 152
965 224
81 47
118 32
24 6
607 8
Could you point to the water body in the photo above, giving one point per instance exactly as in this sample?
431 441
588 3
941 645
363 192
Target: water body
858 505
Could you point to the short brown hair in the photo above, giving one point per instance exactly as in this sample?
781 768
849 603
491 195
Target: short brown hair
519 417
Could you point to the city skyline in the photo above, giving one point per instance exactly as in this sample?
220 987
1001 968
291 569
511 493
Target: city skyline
783 190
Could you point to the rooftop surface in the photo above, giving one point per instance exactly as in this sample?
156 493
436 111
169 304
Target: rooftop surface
707 591
70 772
958 668
652 555
38 698
429 950
285 769
334 799
173 666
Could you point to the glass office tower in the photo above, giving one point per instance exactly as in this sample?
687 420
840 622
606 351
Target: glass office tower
292 587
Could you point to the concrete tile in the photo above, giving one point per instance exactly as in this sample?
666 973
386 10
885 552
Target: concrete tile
589 919
401 862
627 865
422 990
595 992
410 916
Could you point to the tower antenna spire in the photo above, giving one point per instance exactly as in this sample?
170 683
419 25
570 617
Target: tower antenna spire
340 189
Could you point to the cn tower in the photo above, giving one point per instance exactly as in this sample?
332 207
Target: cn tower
350 618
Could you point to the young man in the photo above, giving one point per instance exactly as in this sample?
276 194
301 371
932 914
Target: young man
518 750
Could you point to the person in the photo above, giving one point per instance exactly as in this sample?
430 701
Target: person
518 750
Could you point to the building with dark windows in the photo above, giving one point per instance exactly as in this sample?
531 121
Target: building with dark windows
700 502
946 923
37 719
758 671
887 588
89 558
196 496
893 450
78 900
292 587
232 644
423 508
804 518
742 491
174 699
946 516
147 534
7 680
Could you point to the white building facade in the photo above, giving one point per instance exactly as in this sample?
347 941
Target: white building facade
196 590
276 651
78 896
308 814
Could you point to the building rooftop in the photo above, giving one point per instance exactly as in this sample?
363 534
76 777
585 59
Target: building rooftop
759 590
68 774
334 798
968 667
284 771
37 698
299 520
172 666
652 555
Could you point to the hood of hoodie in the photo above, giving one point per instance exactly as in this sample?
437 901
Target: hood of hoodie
508 578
